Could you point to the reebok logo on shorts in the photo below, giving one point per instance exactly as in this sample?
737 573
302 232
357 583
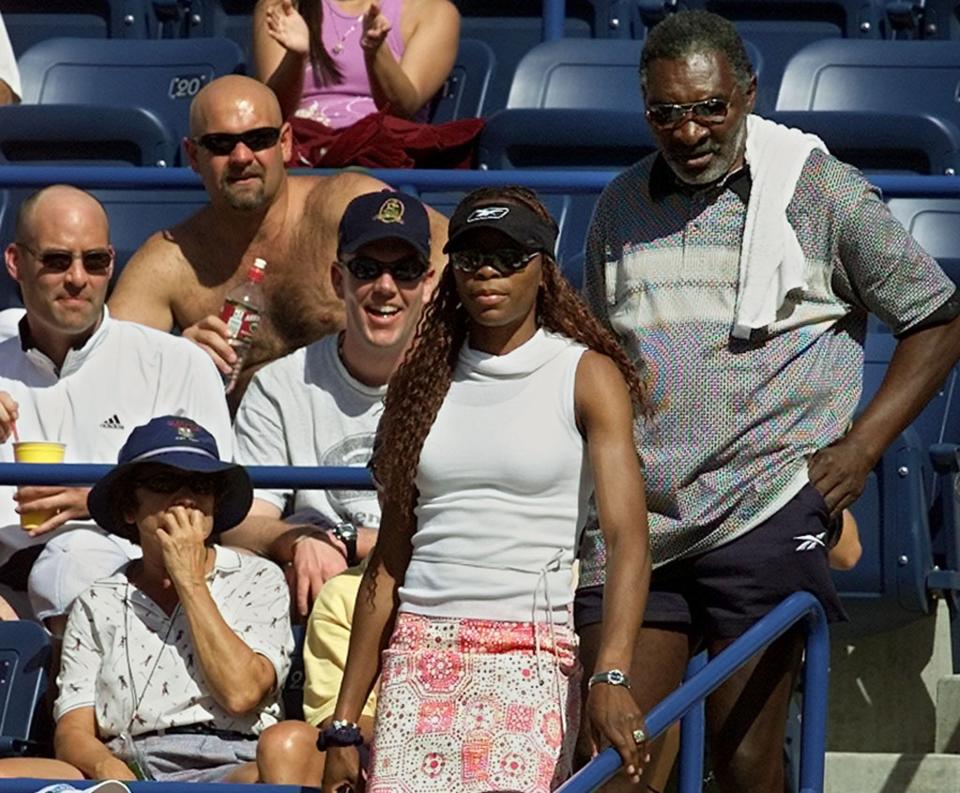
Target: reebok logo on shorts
112 423
809 542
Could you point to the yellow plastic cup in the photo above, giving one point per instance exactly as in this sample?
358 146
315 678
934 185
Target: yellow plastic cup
37 452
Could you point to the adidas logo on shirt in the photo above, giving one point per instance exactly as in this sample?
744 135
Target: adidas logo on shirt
112 423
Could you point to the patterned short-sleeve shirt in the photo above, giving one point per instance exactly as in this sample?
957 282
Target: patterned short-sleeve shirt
136 665
735 420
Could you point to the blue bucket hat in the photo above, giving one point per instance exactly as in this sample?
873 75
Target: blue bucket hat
180 443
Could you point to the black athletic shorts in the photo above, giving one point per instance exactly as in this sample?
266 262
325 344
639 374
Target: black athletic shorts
720 593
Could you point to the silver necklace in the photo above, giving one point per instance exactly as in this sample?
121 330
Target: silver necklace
338 47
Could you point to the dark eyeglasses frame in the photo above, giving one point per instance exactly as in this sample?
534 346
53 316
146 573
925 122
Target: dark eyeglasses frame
708 112
222 143
366 268
60 261
169 482
505 261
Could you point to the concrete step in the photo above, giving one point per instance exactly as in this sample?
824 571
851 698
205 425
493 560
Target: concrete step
866 772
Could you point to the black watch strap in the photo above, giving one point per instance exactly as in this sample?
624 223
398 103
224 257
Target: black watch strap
347 534
339 733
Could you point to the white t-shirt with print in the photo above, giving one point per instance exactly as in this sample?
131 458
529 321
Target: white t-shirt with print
306 409
135 665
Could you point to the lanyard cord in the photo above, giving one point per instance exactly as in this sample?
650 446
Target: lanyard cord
137 701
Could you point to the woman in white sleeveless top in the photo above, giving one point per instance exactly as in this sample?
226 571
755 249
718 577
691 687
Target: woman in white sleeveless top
513 409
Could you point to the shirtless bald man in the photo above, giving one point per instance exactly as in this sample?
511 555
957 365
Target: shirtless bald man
180 276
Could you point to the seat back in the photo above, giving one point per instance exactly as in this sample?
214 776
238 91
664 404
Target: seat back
77 134
24 657
229 19
887 588
893 77
511 30
465 91
160 76
292 693
29 22
935 224
888 143
600 74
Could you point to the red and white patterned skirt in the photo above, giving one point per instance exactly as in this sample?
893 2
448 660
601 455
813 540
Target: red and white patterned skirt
475 705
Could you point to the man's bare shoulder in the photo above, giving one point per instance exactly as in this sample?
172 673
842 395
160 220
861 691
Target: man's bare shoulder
153 280
329 195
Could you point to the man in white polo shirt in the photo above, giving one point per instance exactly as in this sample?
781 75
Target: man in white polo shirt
76 376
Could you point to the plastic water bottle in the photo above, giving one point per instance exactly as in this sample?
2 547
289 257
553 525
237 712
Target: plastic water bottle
241 312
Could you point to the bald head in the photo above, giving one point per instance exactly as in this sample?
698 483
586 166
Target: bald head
57 201
240 99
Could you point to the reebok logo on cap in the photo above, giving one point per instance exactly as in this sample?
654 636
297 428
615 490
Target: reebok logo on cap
488 213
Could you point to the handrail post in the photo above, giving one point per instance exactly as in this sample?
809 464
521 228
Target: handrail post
554 14
693 732
800 607
816 675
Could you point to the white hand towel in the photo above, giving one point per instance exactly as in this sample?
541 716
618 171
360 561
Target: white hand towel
771 260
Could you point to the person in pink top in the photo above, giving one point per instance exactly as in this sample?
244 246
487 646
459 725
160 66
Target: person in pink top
337 61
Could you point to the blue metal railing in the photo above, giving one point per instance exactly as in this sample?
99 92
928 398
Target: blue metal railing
103 177
296 477
801 606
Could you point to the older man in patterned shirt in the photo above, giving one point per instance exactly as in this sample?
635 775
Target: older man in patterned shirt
751 335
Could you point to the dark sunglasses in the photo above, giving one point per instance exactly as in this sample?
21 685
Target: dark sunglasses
709 111
171 482
254 139
95 262
505 260
364 268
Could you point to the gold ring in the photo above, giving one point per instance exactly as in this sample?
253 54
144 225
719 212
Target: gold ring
639 736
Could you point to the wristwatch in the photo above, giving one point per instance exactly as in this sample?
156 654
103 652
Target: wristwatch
339 733
613 677
346 532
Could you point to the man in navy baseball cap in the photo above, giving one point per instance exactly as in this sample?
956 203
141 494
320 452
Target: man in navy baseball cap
384 215
333 390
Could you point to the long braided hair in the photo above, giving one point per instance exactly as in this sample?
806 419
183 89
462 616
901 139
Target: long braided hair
419 386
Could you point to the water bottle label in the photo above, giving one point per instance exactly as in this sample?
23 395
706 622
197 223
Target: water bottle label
241 321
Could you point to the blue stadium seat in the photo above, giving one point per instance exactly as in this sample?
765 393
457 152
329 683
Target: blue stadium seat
778 41
465 92
935 224
909 514
879 142
24 657
587 75
892 77
31 21
77 134
161 76
230 19
580 138
293 686
564 138
513 29
846 18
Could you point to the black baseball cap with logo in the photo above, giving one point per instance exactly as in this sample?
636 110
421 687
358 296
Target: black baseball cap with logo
385 215
517 221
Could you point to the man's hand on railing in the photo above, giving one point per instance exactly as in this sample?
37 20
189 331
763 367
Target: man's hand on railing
615 718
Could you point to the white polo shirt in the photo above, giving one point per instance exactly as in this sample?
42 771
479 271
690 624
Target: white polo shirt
125 375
